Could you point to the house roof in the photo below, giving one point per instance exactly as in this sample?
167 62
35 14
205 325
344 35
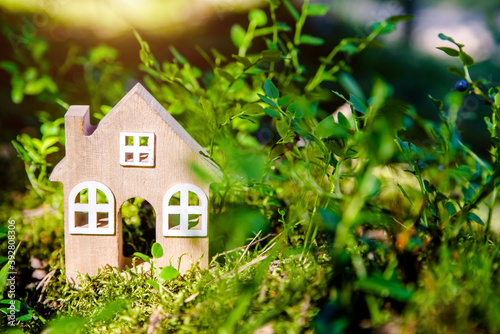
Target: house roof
169 119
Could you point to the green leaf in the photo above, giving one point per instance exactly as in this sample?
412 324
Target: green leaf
271 55
109 311
450 208
168 273
343 120
258 16
351 86
447 38
387 27
26 316
20 151
296 109
329 128
456 70
141 256
437 103
466 59
271 90
157 250
62 104
349 48
154 284
237 35
283 26
254 108
66 325
244 60
30 74
405 194
384 288
22 312
291 9
268 101
399 18
177 55
219 56
4 273
497 100
17 92
273 113
101 54
311 40
284 101
225 75
9 67
51 150
358 104
449 51
474 217
282 128
48 143
341 96
317 9
39 49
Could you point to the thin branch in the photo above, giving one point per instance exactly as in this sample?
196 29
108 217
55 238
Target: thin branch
45 282
243 247
238 270
191 298
164 288
248 246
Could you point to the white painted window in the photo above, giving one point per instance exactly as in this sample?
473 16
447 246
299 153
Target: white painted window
91 209
137 149
185 211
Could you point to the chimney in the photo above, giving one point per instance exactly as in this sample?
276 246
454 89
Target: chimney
77 126
77 122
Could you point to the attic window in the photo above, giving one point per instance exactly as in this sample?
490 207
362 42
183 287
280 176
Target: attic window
185 211
137 149
91 209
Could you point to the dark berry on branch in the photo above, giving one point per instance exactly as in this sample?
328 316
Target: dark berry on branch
462 85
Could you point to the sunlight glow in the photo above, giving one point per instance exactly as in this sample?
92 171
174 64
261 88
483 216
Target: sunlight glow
113 17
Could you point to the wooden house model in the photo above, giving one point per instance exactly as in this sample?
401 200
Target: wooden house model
137 150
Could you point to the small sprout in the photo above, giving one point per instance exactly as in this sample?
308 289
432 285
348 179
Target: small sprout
462 85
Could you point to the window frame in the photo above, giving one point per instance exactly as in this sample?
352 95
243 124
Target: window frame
93 208
184 210
136 149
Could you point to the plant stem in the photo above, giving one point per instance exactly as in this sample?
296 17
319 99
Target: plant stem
490 212
275 37
300 23
316 80
311 221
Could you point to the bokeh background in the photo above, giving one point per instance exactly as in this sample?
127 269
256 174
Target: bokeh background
61 31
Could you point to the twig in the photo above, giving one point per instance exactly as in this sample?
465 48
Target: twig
399 223
154 320
303 310
267 250
243 247
246 249
191 298
164 288
239 270
45 282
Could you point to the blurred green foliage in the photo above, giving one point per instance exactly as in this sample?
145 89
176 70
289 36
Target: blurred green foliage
328 220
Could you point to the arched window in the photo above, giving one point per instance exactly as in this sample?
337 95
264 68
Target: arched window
91 209
185 211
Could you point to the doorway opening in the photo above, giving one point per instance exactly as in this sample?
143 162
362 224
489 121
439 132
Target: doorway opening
138 226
